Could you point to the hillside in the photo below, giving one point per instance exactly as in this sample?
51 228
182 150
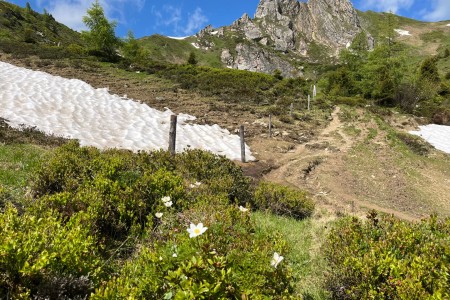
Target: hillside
25 25
342 202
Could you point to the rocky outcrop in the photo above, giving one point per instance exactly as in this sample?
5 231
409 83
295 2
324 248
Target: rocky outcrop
256 59
291 24
248 28
284 30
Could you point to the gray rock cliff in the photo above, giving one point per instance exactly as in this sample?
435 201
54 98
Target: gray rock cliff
282 32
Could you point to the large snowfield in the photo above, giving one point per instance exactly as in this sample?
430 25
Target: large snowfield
72 108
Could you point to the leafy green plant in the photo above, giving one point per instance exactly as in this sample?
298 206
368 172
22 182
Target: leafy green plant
283 200
35 251
218 264
385 258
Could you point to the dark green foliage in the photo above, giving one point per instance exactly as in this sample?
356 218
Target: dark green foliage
192 59
100 38
428 70
447 75
92 228
277 74
132 51
385 258
341 83
36 251
220 264
282 200
17 23
232 85
26 135
120 189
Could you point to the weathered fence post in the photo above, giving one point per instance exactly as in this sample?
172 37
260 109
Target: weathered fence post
292 109
241 131
172 134
309 102
270 125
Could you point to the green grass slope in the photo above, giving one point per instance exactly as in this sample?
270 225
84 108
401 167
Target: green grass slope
24 25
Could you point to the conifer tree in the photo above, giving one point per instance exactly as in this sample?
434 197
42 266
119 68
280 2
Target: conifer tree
100 38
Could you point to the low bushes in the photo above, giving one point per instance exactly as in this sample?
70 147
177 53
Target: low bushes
113 224
385 258
228 261
40 257
282 200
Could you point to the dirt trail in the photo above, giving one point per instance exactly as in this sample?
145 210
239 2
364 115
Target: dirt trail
318 167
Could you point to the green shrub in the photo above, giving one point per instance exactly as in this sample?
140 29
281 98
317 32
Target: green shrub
221 174
94 226
282 200
39 256
219 264
120 189
385 258
76 50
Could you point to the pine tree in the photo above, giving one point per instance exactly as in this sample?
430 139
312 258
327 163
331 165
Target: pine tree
192 59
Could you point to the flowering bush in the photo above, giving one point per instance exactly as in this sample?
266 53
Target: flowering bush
114 224
188 261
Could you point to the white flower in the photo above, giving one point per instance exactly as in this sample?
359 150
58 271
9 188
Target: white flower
165 199
277 258
159 215
174 255
243 209
160 258
168 203
196 184
196 230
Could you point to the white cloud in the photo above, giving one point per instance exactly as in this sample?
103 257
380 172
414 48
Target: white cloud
195 22
388 5
71 12
172 16
439 12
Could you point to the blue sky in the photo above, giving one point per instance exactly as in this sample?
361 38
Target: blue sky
182 18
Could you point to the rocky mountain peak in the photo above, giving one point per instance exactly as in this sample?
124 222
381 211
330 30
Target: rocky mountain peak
288 30
273 7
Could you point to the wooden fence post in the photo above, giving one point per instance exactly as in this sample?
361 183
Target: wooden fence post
241 131
172 134
270 125
309 102
292 109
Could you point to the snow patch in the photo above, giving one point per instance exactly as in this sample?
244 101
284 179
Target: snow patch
74 109
436 135
448 25
178 37
214 32
402 32
197 46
